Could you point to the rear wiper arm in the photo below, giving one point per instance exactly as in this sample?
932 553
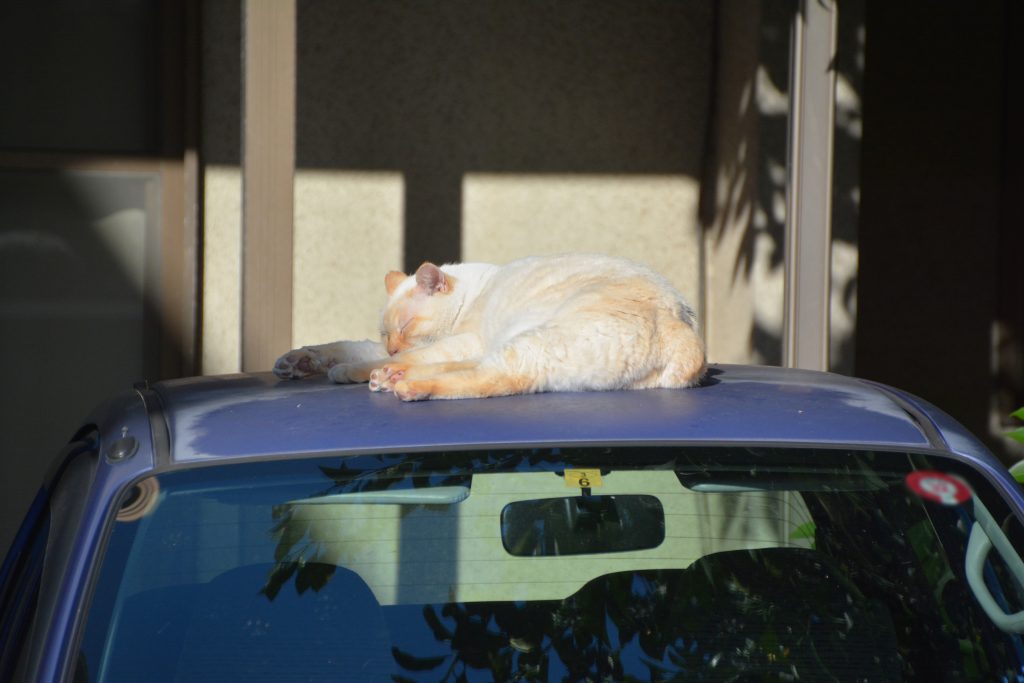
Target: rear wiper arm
438 495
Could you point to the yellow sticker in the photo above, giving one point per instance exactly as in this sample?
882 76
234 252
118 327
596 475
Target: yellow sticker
583 479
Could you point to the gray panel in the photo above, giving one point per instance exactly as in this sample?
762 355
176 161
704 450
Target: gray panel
80 75
74 255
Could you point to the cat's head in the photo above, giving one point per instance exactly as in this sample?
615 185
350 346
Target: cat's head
420 307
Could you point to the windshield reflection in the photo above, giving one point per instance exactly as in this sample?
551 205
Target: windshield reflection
769 570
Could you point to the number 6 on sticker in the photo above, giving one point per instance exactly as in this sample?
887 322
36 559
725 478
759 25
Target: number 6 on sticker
583 479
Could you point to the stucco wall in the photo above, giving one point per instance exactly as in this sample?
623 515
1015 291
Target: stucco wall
486 131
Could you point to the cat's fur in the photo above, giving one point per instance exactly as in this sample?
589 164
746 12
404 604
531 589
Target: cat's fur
561 323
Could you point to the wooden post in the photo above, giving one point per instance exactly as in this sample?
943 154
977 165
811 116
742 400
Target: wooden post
268 166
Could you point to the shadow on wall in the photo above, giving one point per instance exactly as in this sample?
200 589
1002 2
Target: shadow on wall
851 39
77 264
744 201
435 93
83 84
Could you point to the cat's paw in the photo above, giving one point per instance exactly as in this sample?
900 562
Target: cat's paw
384 379
350 373
341 374
302 363
412 390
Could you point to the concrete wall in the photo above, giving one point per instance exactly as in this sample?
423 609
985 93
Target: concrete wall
483 131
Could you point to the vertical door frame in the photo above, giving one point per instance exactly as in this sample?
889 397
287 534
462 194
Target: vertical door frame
808 238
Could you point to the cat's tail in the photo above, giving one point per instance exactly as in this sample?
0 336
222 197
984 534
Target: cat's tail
686 313
681 347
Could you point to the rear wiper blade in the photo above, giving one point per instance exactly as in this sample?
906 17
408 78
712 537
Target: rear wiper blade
738 480
438 495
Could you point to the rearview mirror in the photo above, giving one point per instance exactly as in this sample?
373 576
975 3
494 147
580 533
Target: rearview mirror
579 525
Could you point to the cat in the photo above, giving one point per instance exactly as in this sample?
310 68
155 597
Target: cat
574 322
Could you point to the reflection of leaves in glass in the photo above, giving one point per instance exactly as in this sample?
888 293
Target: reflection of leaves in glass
729 617
929 555
905 555
296 554
804 531
410 663
763 615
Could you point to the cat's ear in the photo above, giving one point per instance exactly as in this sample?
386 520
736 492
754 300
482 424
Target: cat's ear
393 279
432 280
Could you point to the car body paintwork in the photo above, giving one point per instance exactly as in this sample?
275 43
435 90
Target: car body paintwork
199 421
257 415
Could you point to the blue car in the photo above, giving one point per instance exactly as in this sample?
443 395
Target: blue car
769 525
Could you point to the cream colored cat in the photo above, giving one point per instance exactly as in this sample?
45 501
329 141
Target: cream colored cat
560 323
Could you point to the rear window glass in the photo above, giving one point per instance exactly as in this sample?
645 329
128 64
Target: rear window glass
562 564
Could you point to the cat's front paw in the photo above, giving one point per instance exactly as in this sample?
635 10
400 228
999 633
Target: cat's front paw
349 373
383 379
301 363
412 390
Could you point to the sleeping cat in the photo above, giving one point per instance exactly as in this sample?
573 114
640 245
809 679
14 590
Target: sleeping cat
561 323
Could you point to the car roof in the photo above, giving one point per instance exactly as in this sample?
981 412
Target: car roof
258 415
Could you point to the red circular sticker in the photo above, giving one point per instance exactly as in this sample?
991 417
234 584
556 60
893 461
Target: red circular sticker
938 487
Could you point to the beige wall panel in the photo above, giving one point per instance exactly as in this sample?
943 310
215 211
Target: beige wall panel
648 218
222 251
745 186
348 234
220 95
730 300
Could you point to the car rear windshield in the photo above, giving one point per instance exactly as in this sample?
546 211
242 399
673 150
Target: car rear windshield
559 564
